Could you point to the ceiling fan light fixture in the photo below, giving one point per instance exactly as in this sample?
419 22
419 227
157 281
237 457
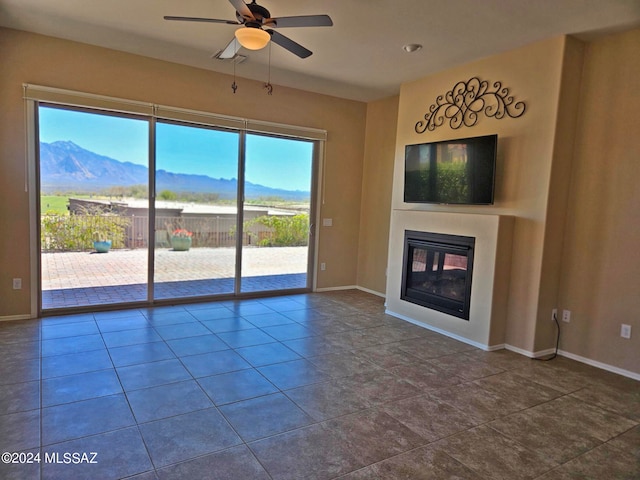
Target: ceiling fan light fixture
252 38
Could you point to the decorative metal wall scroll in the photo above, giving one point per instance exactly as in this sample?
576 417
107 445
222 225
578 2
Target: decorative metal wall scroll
462 104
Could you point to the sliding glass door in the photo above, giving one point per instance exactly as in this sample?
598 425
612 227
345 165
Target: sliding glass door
136 209
277 209
196 211
92 168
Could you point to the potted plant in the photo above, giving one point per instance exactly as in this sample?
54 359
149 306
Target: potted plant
181 240
100 242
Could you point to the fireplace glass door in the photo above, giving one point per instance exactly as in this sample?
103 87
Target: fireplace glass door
437 272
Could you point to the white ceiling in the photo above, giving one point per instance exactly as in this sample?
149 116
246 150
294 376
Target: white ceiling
360 57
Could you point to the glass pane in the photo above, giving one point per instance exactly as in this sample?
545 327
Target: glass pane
278 177
447 279
93 246
419 263
455 262
196 212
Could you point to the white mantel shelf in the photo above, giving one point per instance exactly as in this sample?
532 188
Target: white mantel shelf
490 283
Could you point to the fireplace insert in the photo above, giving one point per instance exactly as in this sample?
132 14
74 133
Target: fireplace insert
437 271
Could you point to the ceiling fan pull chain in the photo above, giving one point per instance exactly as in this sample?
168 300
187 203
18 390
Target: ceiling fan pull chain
234 85
268 85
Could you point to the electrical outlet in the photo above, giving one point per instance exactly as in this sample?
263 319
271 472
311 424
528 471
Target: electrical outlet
625 331
17 283
323 266
554 314
566 316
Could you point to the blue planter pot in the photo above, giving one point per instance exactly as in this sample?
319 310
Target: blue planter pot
181 244
102 247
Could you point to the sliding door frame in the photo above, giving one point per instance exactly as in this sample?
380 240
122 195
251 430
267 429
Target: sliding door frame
151 229
34 166
242 151
314 199
35 95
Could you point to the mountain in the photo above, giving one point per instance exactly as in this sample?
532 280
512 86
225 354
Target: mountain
69 167
64 163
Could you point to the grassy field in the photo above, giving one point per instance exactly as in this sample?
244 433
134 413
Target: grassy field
54 204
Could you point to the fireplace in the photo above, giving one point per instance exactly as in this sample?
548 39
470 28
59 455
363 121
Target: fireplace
437 271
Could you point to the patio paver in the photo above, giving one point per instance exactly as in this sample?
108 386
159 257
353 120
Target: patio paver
72 279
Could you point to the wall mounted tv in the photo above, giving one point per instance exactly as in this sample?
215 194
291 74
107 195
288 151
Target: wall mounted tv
451 172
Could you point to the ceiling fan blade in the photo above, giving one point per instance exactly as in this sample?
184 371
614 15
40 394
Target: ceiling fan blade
288 44
302 21
242 9
230 50
198 19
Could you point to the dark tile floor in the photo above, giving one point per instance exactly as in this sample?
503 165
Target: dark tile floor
314 386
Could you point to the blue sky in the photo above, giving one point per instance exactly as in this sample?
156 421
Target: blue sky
273 162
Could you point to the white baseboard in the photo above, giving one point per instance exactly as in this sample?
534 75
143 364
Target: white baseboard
603 366
577 358
372 292
521 351
333 289
11 318
352 287
527 353
487 348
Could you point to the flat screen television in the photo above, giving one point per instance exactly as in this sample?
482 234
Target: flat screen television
451 172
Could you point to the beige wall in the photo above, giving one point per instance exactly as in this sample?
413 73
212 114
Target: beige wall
59 63
600 280
380 142
525 152
558 191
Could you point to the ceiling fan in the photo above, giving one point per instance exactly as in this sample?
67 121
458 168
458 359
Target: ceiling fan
258 28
